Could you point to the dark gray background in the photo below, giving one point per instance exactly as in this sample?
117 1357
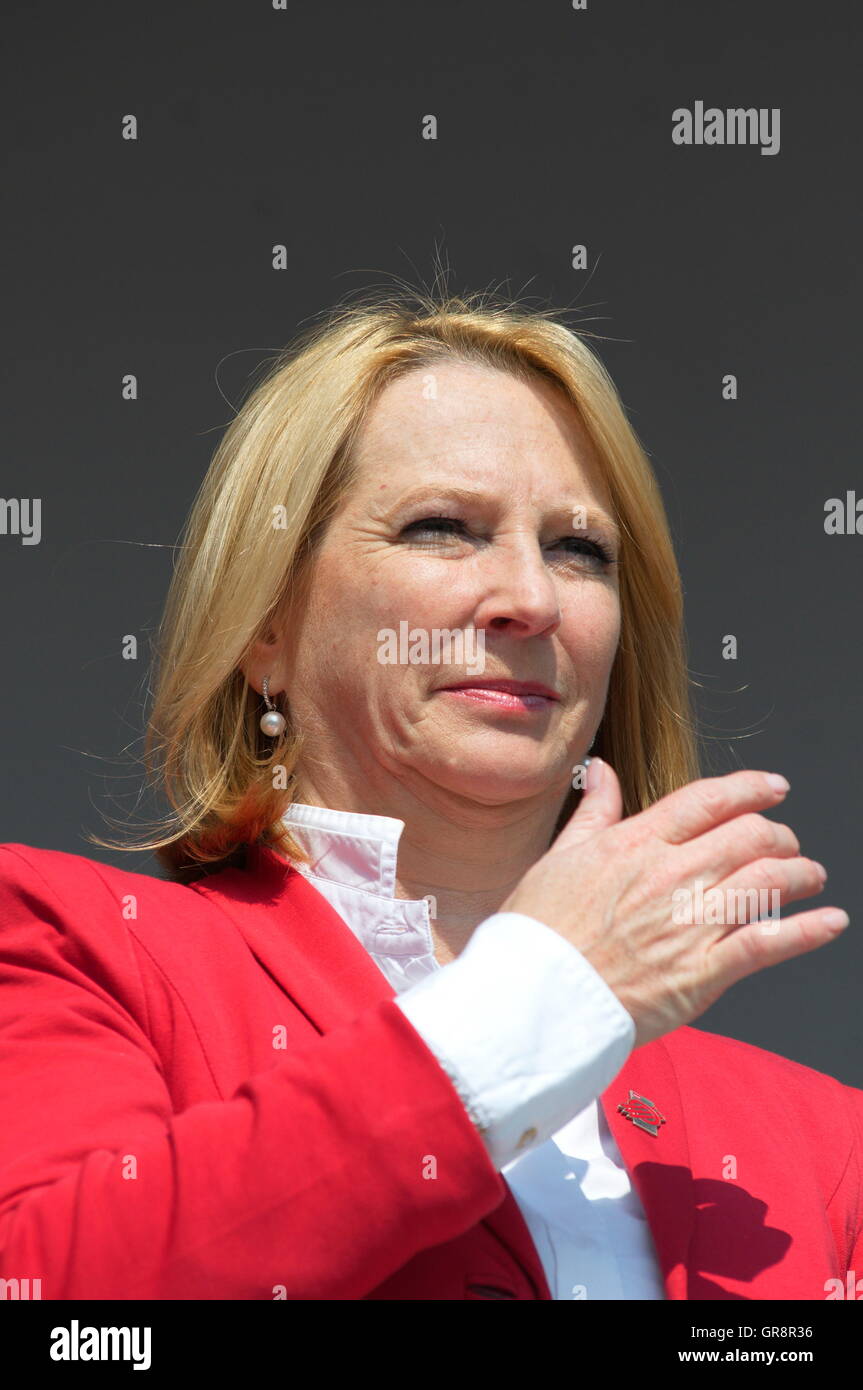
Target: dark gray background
259 126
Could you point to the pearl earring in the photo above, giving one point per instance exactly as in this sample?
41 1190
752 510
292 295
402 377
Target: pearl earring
272 723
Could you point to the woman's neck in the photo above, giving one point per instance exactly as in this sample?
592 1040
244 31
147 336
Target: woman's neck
465 857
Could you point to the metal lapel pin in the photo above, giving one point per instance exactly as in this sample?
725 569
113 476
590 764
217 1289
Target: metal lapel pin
642 1113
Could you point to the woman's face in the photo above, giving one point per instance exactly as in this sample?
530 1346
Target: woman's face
463 518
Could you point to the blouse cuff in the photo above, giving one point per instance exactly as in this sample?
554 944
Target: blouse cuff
527 1030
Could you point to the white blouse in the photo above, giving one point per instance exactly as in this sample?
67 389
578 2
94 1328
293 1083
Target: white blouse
529 1034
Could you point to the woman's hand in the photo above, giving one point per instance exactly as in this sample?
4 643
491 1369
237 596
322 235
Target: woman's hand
606 885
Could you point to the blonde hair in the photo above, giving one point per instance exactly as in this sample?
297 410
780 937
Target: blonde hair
280 470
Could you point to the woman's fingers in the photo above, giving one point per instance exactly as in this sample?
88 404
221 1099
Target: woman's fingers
702 805
673 905
758 891
750 948
733 847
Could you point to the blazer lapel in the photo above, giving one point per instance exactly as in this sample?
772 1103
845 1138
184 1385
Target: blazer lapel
658 1164
658 1167
312 954
298 938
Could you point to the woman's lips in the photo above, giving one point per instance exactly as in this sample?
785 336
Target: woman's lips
505 695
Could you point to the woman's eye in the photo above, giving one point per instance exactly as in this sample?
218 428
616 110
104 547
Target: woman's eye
433 526
591 549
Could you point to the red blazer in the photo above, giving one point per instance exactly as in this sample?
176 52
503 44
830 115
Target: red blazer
207 1092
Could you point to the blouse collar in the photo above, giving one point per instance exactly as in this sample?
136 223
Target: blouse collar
353 857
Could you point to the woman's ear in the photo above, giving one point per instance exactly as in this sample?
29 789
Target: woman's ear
265 658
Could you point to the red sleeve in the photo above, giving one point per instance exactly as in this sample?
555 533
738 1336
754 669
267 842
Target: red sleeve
313 1176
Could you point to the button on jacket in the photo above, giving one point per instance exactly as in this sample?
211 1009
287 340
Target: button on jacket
213 1091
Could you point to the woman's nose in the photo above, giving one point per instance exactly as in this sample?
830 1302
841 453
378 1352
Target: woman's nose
519 593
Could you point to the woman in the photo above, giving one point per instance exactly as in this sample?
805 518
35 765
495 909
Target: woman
409 1018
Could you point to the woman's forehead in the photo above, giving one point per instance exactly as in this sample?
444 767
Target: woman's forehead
474 426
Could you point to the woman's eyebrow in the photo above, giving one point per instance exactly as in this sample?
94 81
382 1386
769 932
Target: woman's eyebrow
594 516
430 493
